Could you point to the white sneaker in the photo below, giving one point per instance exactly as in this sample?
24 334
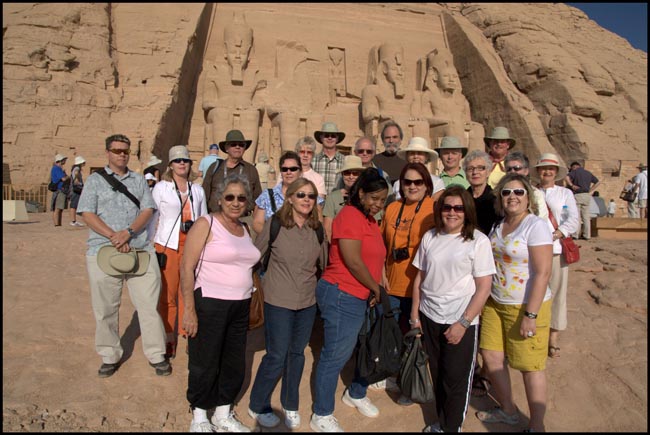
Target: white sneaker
229 424
78 224
203 426
388 384
267 419
379 386
325 423
364 405
291 419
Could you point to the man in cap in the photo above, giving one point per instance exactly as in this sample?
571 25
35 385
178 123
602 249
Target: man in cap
208 160
60 197
389 160
582 183
329 160
451 152
641 185
234 146
117 225
497 146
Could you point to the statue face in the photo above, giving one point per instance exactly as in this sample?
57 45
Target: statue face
448 79
395 69
237 51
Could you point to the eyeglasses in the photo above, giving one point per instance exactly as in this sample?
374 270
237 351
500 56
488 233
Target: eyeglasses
230 198
290 168
457 208
306 152
118 151
237 144
301 195
330 135
500 144
364 152
514 168
517 192
351 172
188 161
476 168
418 182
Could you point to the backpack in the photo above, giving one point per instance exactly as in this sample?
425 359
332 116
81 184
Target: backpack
275 230
380 342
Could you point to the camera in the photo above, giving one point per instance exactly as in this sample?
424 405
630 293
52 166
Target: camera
185 226
400 254
162 259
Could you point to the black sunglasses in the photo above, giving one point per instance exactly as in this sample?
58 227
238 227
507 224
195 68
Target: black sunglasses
237 144
418 183
330 135
126 152
351 172
188 161
456 208
290 168
514 168
230 198
301 195
517 192
365 152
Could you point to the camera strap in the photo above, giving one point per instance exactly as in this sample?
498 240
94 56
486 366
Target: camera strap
399 219
181 212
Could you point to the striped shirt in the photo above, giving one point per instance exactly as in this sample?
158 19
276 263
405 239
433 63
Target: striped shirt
327 168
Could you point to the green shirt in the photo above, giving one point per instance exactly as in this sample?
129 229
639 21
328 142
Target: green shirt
460 178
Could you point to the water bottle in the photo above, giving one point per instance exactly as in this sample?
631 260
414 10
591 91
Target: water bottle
565 214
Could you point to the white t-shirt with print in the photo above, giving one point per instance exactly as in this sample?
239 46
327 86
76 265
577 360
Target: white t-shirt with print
450 266
511 284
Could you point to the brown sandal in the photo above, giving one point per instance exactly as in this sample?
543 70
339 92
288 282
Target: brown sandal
553 352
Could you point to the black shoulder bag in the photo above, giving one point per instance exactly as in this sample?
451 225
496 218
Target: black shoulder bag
118 186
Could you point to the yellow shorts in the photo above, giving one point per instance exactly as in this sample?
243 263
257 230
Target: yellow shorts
500 332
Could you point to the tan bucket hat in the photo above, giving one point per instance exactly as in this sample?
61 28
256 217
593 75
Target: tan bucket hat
550 159
500 133
417 144
351 162
114 263
451 142
178 152
329 127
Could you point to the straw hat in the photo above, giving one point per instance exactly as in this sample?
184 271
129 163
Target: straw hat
329 127
115 263
79 160
153 161
451 142
234 136
499 133
351 162
550 159
417 144
178 152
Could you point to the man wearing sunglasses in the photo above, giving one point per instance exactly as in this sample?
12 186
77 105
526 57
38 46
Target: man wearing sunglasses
517 162
365 149
329 160
234 146
115 220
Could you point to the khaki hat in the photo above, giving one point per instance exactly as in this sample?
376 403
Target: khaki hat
642 166
351 162
178 152
550 159
329 127
499 133
79 160
114 263
153 161
417 144
451 142
59 157
234 136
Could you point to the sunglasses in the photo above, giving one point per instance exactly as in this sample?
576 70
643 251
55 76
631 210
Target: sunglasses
457 208
118 151
476 168
306 152
517 192
330 135
237 144
230 198
301 195
418 183
351 172
290 168
188 161
514 168
365 152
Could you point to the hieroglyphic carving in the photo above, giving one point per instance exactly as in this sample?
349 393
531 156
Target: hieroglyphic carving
336 69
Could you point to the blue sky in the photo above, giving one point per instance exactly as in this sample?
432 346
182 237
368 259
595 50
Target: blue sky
629 20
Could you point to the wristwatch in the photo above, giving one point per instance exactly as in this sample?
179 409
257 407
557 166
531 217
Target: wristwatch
131 232
464 322
530 315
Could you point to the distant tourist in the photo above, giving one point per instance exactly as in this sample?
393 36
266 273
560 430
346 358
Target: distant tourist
59 197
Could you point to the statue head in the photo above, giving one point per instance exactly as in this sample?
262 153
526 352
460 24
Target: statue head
336 55
391 66
238 41
441 70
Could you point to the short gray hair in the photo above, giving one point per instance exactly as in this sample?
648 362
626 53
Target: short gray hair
517 156
475 155
233 178
306 141
369 139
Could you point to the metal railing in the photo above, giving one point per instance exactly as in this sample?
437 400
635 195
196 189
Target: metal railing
38 194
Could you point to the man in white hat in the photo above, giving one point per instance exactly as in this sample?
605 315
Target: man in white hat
60 197
497 145
582 183
451 152
418 151
117 223
641 185
208 160
329 160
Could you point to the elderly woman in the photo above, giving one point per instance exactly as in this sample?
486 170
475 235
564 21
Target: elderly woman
515 319
352 168
557 197
179 203
477 165
217 305
418 151
454 267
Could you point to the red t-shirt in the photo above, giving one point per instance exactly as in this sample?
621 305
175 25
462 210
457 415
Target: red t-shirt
350 223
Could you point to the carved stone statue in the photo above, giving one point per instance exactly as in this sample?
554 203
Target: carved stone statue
230 88
336 71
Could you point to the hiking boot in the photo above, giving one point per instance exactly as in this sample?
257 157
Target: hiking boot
325 423
291 419
107 370
203 426
163 368
267 419
364 405
229 424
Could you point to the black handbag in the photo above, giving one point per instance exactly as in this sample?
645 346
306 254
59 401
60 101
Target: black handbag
414 376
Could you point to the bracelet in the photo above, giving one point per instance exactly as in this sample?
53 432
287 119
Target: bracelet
530 315
414 322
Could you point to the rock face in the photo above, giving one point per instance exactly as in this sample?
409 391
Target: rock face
163 75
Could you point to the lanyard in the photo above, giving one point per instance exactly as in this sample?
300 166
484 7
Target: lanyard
399 219
189 192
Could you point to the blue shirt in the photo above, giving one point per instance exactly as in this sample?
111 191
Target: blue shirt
56 174
207 161
264 200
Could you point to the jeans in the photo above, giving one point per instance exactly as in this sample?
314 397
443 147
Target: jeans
359 385
286 334
342 315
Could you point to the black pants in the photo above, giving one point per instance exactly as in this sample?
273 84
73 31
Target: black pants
452 367
217 353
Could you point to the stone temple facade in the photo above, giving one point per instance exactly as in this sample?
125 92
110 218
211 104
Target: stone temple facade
167 74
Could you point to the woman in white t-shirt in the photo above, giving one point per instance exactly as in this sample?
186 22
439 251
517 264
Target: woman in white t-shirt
515 321
455 274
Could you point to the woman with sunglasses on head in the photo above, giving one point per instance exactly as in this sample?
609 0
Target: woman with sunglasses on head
516 318
454 268
179 203
289 302
217 281
349 283
336 200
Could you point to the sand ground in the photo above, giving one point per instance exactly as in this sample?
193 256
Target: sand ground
50 367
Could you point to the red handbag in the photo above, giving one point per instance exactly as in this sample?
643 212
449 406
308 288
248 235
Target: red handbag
570 250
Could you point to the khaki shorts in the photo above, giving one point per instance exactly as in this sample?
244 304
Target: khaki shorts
59 200
500 332
642 203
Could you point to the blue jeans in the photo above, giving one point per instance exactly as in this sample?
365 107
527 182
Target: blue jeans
342 315
359 385
286 334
